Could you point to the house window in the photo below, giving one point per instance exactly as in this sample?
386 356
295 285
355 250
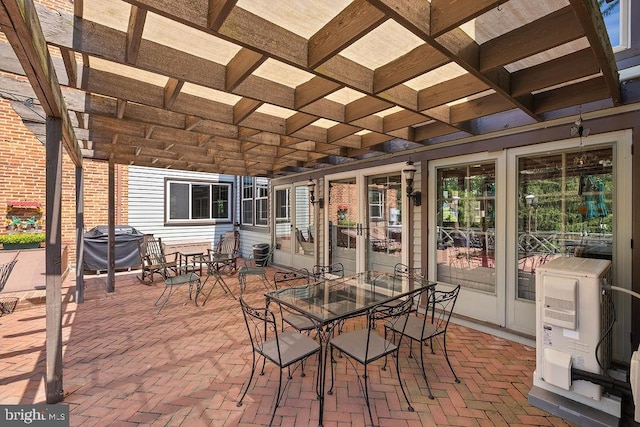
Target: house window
255 201
283 206
616 18
198 201
376 204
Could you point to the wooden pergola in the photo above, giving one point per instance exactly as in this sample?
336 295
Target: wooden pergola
263 88
266 89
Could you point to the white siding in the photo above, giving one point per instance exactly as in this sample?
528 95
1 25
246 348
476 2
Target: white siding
146 205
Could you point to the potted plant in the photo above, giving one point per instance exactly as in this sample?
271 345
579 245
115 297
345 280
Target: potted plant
21 240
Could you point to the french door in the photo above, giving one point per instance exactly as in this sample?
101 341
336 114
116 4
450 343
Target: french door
295 226
467 206
495 219
364 219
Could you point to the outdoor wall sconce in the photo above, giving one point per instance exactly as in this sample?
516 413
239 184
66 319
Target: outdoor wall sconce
311 186
409 173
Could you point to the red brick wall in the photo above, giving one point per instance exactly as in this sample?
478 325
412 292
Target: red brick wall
23 164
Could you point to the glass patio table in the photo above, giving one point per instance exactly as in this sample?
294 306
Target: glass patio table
328 302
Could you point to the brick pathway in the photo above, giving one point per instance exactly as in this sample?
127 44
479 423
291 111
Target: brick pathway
125 365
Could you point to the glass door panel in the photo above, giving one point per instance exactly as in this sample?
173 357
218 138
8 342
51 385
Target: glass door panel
564 209
282 234
344 227
384 227
465 224
305 230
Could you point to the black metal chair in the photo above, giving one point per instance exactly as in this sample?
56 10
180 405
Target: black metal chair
423 328
170 282
256 265
366 345
291 317
282 348
229 243
5 272
328 271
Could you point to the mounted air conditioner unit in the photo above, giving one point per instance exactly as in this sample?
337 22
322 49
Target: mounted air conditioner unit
570 320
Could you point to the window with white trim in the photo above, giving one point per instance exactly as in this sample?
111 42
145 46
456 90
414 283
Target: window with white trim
255 200
616 18
283 206
198 201
376 204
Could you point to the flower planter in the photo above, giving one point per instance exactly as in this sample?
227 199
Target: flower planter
14 246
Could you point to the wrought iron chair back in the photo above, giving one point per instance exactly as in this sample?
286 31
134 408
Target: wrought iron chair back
5 272
256 265
366 345
292 317
432 324
282 348
403 270
328 271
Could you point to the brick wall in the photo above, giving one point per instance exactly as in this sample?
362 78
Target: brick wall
24 173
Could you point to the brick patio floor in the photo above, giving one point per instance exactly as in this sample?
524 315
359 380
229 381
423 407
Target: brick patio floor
125 365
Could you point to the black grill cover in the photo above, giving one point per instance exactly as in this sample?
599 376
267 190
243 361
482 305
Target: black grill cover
96 244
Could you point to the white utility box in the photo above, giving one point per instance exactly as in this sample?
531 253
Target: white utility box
570 321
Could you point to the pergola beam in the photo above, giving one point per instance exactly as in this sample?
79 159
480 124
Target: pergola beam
21 26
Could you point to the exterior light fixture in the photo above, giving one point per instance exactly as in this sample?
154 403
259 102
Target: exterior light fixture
531 200
409 173
311 186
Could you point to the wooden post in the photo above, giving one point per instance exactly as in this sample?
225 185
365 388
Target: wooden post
111 253
53 267
79 236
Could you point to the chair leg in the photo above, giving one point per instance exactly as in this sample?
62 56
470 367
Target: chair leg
446 355
253 370
424 373
409 407
166 299
265 282
366 394
278 397
330 392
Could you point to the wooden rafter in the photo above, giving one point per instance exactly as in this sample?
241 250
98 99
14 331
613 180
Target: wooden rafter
280 87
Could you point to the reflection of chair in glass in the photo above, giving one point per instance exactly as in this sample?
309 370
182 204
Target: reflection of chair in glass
170 282
295 319
423 328
229 243
307 245
366 345
328 271
154 259
403 270
283 348
256 265
5 272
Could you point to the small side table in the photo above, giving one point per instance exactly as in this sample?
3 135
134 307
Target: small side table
188 262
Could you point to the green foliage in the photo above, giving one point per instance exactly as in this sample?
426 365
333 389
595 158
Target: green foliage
347 223
22 238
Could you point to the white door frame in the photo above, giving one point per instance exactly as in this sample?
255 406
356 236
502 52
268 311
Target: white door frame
361 182
473 303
